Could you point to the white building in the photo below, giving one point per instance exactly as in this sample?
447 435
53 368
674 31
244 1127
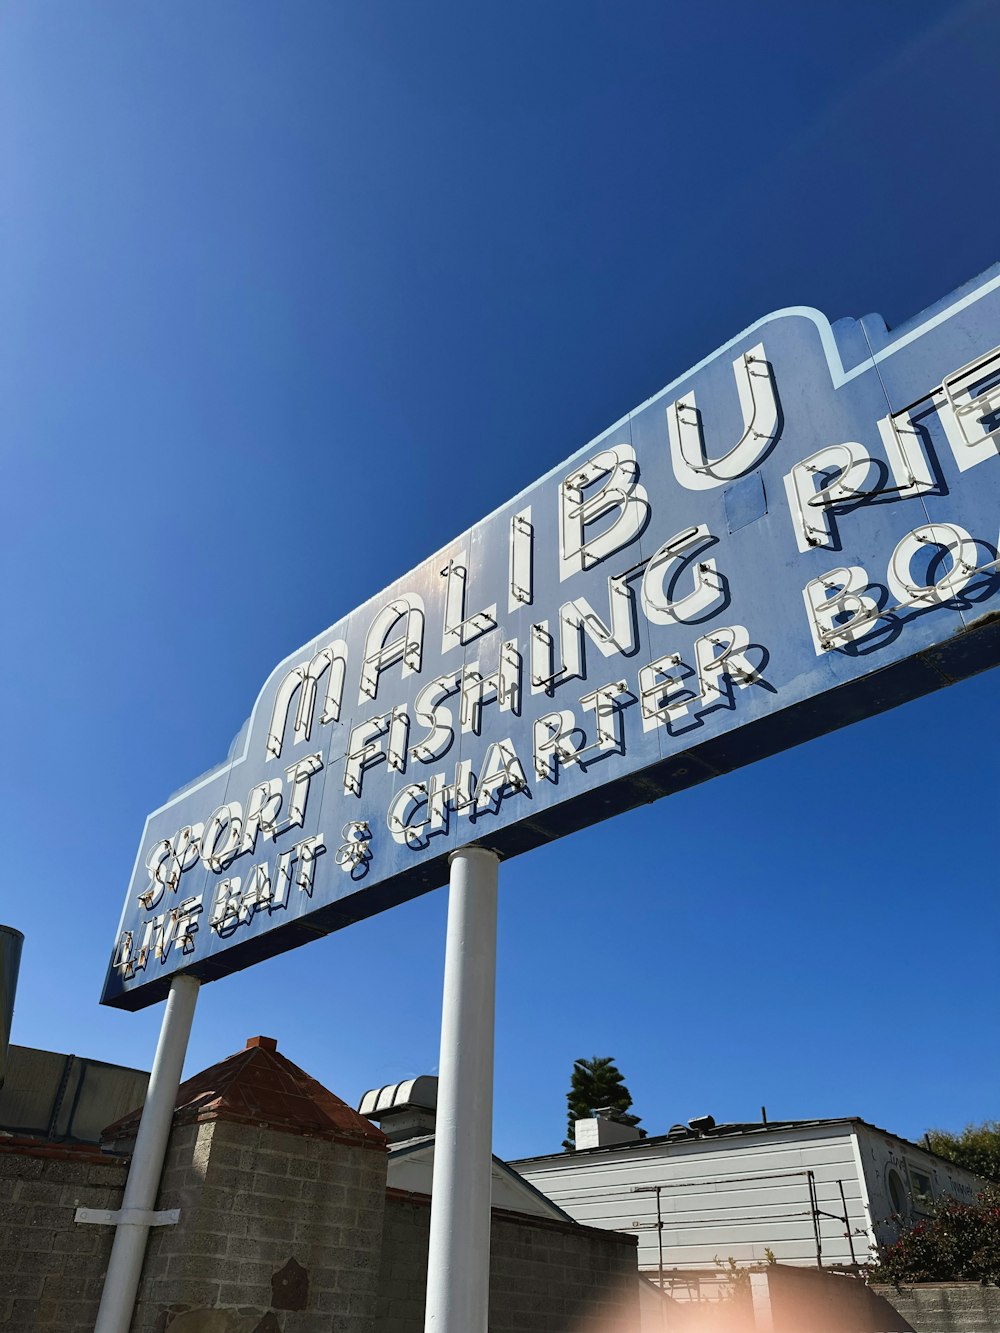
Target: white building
808 1192
406 1113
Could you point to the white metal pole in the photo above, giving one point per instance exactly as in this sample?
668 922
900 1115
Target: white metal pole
458 1260
122 1279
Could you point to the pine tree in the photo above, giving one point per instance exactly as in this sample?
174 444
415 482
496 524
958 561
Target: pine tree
595 1083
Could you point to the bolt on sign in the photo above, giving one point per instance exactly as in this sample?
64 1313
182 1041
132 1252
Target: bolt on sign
797 533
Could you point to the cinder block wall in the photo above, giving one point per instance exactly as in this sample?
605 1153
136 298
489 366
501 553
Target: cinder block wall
545 1276
277 1231
280 1233
51 1268
946 1307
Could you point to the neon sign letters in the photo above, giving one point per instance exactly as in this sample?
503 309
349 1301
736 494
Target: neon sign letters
799 532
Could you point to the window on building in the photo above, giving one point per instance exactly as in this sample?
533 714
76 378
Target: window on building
897 1192
921 1189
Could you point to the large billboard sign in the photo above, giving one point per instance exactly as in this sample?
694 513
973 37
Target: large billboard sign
799 532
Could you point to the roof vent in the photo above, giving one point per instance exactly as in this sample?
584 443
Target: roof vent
404 1110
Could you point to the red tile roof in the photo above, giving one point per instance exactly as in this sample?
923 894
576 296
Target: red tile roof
259 1086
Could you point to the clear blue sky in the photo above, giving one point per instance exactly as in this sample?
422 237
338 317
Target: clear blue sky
316 286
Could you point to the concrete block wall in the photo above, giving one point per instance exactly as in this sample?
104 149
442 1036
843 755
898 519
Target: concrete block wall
280 1232
545 1276
51 1267
946 1307
277 1232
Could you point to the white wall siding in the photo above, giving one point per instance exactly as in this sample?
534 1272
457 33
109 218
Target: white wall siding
737 1195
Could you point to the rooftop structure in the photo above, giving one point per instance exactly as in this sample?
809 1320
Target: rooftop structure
814 1192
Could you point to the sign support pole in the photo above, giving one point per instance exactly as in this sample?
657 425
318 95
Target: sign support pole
132 1230
458 1260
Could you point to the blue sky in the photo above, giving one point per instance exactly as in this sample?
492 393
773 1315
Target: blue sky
320 285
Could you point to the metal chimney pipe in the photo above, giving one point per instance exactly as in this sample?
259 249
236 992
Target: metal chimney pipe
11 941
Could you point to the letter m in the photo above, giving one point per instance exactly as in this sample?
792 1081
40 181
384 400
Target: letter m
302 681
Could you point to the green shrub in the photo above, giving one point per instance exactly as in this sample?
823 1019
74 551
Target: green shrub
977 1148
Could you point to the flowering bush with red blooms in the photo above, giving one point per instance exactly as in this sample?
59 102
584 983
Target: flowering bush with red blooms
960 1243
